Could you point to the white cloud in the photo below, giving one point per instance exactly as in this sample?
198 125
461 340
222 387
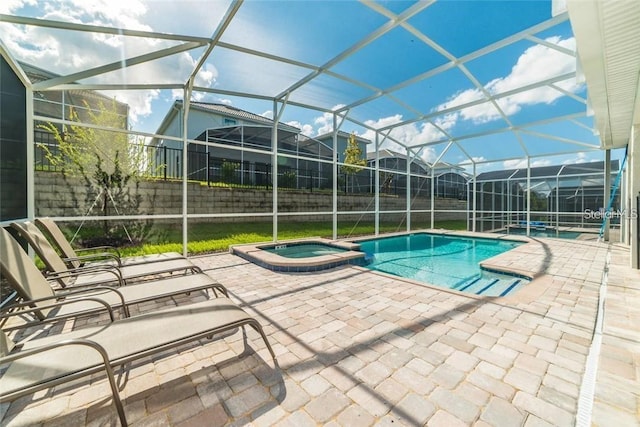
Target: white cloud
67 52
481 165
579 158
476 159
537 63
10 6
325 121
522 163
268 114
410 135
429 155
305 129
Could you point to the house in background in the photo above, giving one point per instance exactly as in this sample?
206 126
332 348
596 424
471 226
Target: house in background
343 140
576 190
53 105
59 104
222 126
450 180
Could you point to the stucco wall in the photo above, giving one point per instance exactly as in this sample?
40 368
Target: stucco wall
56 195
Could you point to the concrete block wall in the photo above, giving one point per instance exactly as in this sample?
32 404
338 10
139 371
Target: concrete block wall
56 195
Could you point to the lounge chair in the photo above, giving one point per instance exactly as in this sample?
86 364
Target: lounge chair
46 362
22 274
95 273
72 256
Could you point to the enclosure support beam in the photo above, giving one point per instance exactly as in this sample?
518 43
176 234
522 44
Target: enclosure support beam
607 193
31 198
408 190
475 190
185 118
377 187
335 177
493 205
508 202
528 195
582 204
557 207
274 169
624 195
433 199
433 177
633 168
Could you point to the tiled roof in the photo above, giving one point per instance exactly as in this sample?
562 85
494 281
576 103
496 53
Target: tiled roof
329 135
230 111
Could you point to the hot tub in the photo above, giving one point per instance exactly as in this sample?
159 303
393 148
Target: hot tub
301 255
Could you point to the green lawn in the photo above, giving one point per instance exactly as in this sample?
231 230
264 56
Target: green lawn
216 237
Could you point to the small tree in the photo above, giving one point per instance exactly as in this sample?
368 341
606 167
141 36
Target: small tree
105 159
353 159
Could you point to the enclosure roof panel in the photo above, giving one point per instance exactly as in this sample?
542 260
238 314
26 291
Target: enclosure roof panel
547 171
404 69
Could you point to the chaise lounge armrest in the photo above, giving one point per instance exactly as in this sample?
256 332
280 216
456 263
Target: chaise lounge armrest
76 272
98 256
25 307
62 298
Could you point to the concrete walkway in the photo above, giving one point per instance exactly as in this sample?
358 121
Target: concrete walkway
359 348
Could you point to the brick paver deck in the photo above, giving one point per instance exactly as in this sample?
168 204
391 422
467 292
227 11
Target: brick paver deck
358 348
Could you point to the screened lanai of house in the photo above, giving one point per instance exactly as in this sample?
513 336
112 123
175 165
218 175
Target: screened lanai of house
482 86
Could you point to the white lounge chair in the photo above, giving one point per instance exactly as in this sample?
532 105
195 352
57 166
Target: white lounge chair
73 257
99 273
44 363
22 274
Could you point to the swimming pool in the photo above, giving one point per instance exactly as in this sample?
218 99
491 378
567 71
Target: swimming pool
448 261
549 232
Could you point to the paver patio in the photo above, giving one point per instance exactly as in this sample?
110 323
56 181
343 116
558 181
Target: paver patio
359 348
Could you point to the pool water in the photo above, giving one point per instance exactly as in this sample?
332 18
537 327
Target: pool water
305 250
447 261
549 232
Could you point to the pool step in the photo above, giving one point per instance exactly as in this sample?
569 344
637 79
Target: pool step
490 286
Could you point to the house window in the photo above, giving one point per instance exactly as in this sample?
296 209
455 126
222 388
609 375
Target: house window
229 122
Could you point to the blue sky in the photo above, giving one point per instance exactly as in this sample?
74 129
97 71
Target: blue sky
316 32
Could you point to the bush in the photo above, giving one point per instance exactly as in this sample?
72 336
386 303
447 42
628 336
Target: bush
228 171
288 179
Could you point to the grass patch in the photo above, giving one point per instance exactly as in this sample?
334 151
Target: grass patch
216 237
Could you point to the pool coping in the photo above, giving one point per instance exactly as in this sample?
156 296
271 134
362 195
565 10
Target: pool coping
497 263
509 263
583 233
